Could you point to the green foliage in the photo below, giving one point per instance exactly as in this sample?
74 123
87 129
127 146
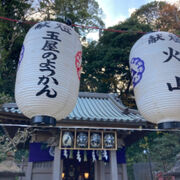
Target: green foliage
5 98
160 16
2 154
11 39
163 148
85 12
149 13
12 34
21 154
106 63
167 146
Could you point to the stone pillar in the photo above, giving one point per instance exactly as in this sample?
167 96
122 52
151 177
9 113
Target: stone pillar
57 170
113 165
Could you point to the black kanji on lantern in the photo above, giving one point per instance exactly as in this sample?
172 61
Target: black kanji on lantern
64 28
51 93
45 80
177 83
49 55
50 46
172 54
48 67
155 38
42 25
52 35
174 38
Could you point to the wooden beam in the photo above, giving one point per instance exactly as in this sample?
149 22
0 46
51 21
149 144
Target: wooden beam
113 165
57 164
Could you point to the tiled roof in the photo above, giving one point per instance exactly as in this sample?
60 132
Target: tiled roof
94 107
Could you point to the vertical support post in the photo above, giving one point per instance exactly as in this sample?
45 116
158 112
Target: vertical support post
113 165
61 167
102 170
96 170
124 171
29 171
150 165
99 170
57 164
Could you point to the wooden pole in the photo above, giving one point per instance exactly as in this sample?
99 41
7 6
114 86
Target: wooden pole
96 171
102 170
124 170
57 164
113 165
29 171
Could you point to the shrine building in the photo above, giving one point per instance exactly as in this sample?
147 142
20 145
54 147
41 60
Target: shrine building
90 143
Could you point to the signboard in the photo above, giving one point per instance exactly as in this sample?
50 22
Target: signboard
88 140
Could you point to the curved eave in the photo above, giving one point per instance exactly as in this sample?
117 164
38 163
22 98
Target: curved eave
92 109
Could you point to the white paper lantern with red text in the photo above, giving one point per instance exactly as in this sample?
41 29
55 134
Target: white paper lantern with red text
48 75
155 69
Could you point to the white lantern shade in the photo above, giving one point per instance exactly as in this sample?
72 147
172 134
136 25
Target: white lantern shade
155 69
48 75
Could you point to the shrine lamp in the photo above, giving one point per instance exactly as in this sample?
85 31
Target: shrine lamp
86 175
154 64
48 74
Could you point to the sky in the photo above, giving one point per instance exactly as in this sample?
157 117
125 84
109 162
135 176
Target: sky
116 11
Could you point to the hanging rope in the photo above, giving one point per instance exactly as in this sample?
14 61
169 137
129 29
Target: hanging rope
75 25
15 20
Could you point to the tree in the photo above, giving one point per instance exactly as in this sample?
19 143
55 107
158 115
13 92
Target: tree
106 63
159 15
85 12
169 19
149 13
12 33
162 146
11 39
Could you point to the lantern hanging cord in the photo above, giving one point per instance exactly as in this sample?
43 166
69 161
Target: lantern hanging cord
74 25
95 128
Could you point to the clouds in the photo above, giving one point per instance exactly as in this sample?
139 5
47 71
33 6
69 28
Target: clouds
113 20
112 11
169 1
131 10
116 11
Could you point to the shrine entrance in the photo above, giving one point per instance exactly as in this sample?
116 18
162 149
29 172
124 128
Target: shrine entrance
75 170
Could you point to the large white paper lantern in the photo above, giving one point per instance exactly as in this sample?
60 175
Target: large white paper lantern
155 69
48 74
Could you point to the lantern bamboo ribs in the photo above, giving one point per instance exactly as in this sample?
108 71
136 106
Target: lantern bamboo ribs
155 63
48 76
